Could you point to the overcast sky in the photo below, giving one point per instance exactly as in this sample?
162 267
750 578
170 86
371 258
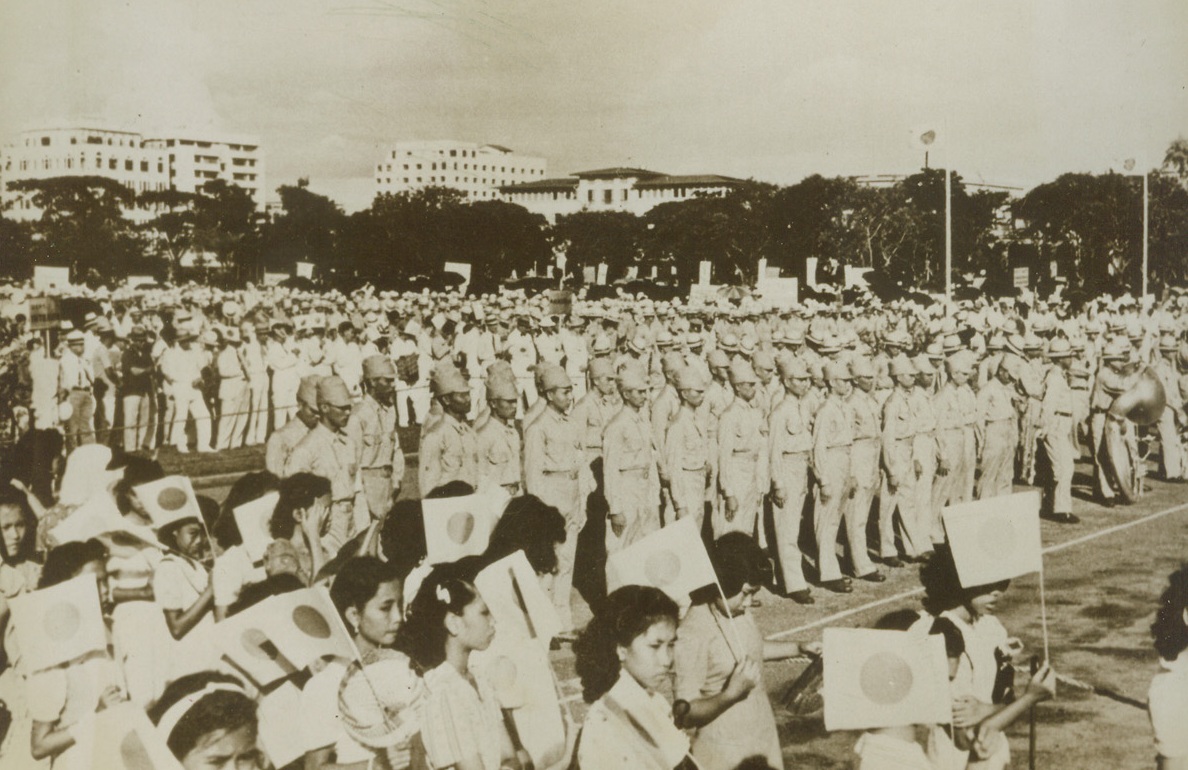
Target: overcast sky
1018 91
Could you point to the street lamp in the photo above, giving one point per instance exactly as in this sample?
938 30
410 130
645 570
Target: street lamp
1128 167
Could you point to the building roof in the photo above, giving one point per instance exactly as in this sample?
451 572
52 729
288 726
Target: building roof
499 148
565 184
691 180
618 171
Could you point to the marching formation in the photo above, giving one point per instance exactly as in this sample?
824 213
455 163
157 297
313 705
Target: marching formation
773 438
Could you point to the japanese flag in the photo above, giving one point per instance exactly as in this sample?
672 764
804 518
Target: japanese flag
280 729
456 527
99 517
245 639
252 519
519 605
123 738
524 684
995 539
877 678
672 559
305 626
60 623
168 500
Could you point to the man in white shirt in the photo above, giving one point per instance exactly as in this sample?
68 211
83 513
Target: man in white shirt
181 369
76 381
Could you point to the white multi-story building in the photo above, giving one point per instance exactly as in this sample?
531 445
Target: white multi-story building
181 162
477 170
634 190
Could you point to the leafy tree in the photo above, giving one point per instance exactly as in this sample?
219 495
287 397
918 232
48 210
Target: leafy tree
16 250
225 227
591 237
1175 159
497 238
171 233
83 227
307 231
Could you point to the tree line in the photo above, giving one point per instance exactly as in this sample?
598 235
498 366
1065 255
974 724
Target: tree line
1085 228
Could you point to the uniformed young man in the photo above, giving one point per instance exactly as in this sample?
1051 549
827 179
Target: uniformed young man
629 457
499 446
449 451
282 441
791 436
373 427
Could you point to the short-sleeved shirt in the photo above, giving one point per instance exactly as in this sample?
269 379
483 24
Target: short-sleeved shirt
886 752
233 569
65 695
1168 707
462 719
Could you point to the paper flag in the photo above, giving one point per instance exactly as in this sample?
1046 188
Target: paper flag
253 519
456 527
280 731
123 738
877 678
58 624
995 539
672 559
305 626
524 684
519 605
245 639
168 500
98 517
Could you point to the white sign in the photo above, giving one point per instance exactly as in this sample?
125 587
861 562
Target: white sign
856 276
705 272
275 279
780 292
462 269
50 277
1022 277
305 270
601 274
138 280
810 272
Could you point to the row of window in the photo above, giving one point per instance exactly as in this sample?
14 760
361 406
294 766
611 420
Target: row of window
465 167
113 164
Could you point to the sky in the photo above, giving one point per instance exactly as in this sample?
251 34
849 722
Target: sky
1018 91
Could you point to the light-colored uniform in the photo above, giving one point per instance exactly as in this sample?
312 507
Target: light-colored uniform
999 435
449 452
631 481
864 468
1058 439
381 461
924 452
956 420
742 466
1171 450
257 380
282 362
181 369
900 481
791 436
833 443
332 455
499 455
233 398
688 456
281 445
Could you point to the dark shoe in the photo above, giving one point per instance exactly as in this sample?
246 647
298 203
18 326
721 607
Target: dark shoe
802 597
892 561
1062 518
1107 502
839 586
873 577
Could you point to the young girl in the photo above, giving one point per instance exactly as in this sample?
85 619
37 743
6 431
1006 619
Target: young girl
183 590
982 675
1168 696
19 574
367 594
463 727
208 721
298 523
723 685
623 658
63 696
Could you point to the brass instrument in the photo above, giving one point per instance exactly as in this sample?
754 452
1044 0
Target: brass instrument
1139 405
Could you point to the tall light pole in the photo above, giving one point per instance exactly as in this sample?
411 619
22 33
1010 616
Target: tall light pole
949 238
1146 229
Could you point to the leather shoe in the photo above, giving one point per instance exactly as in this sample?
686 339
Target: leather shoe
802 597
873 577
839 586
893 561
1062 518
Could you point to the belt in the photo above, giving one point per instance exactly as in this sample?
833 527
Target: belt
1064 414
797 452
377 468
751 452
566 474
640 471
81 390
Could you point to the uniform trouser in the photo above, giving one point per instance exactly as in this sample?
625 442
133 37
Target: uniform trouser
927 516
864 464
827 517
137 408
1027 442
1101 483
750 501
639 524
233 414
109 410
341 527
1060 450
80 428
187 402
688 495
416 396
1171 450
527 388
786 520
565 493
257 418
915 536
956 486
998 453
379 490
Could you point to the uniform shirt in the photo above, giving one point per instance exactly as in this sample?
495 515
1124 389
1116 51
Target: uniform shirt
790 433
74 372
499 454
899 431
181 368
279 357
281 444
956 410
329 454
741 436
553 456
664 409
688 455
590 416
373 428
1057 402
449 452
629 463
833 437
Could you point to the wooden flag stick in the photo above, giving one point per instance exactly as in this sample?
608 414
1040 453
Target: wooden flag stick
741 653
1043 611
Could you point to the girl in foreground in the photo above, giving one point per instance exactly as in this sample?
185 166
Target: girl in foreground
1168 696
208 721
463 726
623 657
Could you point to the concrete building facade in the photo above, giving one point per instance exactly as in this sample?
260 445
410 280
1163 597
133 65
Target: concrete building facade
477 170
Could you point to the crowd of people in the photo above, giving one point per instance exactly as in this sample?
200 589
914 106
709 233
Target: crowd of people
600 422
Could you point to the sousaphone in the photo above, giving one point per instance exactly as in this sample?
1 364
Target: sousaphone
1140 405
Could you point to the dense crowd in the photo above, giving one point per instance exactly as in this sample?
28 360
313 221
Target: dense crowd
596 421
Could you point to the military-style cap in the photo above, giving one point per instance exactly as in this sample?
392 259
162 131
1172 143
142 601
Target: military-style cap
717 358
307 390
924 365
377 367
446 379
793 367
836 370
502 388
862 367
631 378
333 391
671 362
1116 349
1059 348
75 336
902 365
601 367
961 361
553 377
690 378
741 371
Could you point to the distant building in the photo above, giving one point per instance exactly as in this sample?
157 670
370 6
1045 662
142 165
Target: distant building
634 190
182 162
477 170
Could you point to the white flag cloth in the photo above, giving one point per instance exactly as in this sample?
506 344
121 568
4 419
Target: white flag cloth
875 678
168 500
456 527
672 559
305 626
253 519
995 539
98 517
280 729
60 623
523 682
521 609
245 640
123 738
